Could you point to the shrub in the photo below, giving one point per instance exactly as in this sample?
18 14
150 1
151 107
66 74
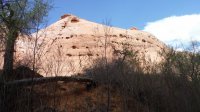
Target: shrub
174 89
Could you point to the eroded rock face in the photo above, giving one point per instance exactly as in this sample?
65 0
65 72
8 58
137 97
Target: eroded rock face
72 44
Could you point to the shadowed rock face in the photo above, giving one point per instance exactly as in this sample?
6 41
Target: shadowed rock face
23 72
72 44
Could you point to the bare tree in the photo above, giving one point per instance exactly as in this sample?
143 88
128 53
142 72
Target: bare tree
107 31
19 17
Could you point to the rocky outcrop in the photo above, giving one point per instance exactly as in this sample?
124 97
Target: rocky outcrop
133 28
72 44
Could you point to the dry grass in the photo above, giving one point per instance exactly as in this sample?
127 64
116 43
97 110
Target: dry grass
62 97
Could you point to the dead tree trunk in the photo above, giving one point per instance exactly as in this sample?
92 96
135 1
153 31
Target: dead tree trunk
36 81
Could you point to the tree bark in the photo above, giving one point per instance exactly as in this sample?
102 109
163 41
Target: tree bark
9 54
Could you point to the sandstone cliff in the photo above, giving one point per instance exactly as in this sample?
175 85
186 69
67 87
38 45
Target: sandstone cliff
72 44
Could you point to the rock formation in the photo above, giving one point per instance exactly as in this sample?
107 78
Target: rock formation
72 44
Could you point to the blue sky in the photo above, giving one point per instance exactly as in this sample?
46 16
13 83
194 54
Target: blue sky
124 13
129 13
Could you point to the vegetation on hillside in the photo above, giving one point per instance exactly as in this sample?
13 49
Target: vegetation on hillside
117 85
175 88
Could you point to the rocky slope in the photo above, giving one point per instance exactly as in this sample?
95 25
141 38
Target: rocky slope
72 44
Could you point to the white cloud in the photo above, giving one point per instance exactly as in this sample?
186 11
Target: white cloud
181 29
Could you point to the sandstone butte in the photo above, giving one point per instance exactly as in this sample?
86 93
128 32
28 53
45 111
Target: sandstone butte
71 45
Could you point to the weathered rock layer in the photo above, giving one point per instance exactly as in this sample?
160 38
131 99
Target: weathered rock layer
72 44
